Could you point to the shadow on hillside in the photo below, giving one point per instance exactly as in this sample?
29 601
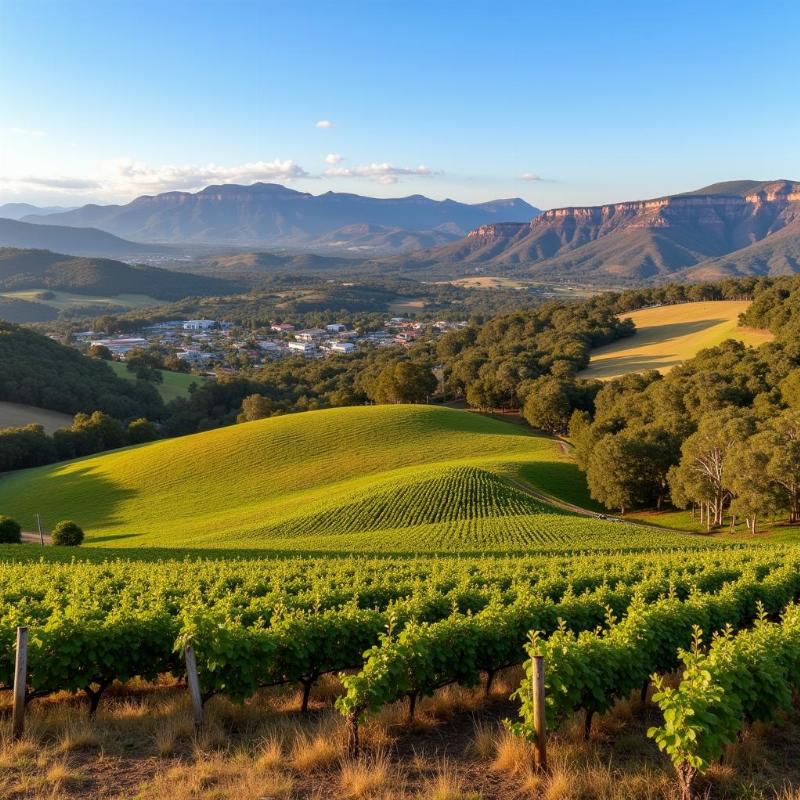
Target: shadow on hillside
673 330
562 479
87 493
632 363
659 334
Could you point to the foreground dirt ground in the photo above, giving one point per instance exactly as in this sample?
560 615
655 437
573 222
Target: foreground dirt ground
143 746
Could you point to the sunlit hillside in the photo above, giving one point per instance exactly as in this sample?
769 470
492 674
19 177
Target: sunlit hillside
383 477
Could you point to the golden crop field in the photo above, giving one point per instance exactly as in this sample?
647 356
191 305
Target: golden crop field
667 336
384 478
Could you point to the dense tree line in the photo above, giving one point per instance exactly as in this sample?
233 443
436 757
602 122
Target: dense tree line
720 433
37 371
30 446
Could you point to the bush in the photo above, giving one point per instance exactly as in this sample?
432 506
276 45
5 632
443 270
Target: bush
9 531
142 430
67 534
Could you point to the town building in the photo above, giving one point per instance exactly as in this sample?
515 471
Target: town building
310 335
342 347
307 349
199 324
120 347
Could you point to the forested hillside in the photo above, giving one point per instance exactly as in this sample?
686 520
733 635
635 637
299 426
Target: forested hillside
720 433
43 269
40 372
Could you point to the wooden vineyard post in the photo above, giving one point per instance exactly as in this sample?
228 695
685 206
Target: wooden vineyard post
539 719
20 683
194 684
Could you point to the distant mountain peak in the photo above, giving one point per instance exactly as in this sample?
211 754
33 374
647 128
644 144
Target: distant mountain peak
270 214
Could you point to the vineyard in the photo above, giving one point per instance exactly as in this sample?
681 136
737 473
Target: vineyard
400 629
351 583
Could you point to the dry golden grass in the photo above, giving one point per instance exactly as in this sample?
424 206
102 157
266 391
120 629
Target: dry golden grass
366 777
60 774
318 749
451 700
145 747
79 734
270 754
446 784
669 335
221 775
512 755
484 740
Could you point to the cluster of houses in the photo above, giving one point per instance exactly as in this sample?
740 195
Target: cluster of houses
206 343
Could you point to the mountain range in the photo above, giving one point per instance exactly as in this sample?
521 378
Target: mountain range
741 227
734 228
20 210
266 214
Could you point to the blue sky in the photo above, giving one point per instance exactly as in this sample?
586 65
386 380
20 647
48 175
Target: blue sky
561 104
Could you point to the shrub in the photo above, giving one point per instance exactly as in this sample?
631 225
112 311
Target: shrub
9 531
142 430
67 533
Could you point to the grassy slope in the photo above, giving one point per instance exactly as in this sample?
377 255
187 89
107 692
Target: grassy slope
669 335
15 415
176 384
384 478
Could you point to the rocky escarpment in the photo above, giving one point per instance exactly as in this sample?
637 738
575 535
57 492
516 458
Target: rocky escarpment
636 239
499 230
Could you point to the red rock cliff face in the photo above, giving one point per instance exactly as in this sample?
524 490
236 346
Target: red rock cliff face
768 209
637 239
499 230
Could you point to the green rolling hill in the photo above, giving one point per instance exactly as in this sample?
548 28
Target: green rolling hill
382 478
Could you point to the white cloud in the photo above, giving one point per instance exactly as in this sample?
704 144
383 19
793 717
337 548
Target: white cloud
323 123
381 173
57 184
531 176
125 177
191 176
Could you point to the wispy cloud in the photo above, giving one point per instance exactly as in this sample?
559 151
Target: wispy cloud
71 184
531 176
124 177
323 123
382 173
192 176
